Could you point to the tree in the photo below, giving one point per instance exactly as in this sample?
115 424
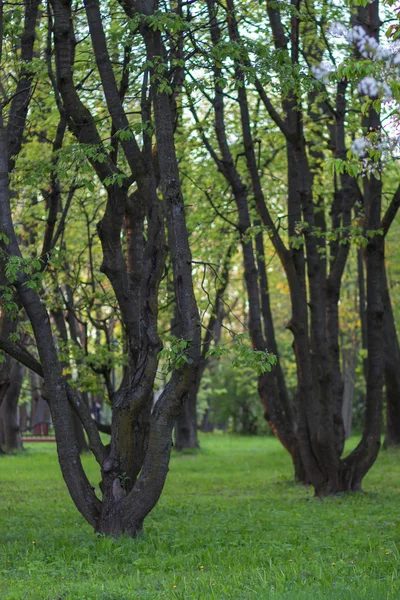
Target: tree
315 256
9 421
135 465
271 384
16 101
186 424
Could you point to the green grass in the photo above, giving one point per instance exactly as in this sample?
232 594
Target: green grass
229 526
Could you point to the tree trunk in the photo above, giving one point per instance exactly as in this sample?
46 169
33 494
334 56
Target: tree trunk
206 426
186 423
1 434
349 356
59 319
79 434
362 307
392 370
272 392
9 410
185 430
272 386
358 463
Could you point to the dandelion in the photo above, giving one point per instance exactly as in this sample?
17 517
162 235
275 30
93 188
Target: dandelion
290 560
333 564
33 542
201 566
174 587
388 552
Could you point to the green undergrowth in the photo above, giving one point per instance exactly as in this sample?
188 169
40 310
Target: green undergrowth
230 525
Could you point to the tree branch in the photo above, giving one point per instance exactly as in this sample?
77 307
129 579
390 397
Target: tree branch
391 212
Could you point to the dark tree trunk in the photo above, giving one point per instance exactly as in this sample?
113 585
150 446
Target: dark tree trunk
314 294
23 417
358 463
135 465
9 409
271 387
362 307
7 327
36 394
206 425
392 370
10 143
349 359
79 433
59 319
186 423
185 430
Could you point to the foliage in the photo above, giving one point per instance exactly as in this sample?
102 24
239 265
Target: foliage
244 356
231 398
175 354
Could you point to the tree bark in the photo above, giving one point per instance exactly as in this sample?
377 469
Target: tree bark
186 424
362 307
271 386
59 320
349 359
314 295
9 409
392 370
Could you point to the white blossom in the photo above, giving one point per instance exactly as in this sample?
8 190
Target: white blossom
360 145
384 69
368 87
368 46
340 30
322 71
386 89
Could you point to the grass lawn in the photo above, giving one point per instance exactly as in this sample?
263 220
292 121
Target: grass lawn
229 526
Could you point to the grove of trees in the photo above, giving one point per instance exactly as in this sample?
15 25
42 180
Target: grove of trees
198 228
